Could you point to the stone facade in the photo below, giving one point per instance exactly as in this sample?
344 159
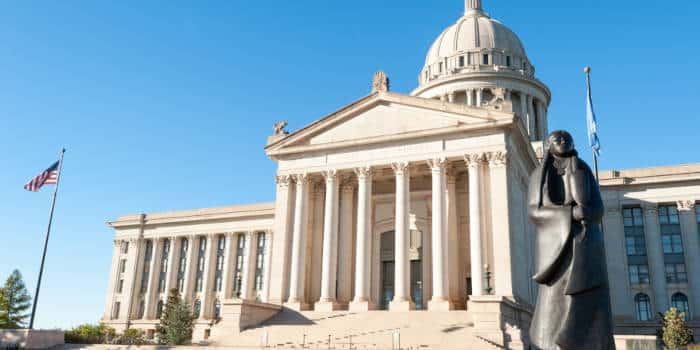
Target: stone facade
409 202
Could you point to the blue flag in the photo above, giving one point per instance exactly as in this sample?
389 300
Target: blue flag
593 140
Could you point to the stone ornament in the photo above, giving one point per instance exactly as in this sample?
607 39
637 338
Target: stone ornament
380 83
573 310
283 180
686 205
497 159
279 128
474 160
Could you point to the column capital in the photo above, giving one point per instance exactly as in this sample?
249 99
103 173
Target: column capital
330 175
650 209
283 180
437 164
400 168
686 205
475 160
498 158
301 178
363 172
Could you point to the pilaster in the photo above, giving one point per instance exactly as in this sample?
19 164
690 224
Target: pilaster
656 257
691 245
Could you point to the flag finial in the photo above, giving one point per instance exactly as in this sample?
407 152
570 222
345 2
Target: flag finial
472 6
587 69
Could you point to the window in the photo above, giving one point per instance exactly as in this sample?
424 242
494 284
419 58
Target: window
197 309
159 309
635 245
238 271
670 230
675 273
486 59
148 256
200 263
218 274
163 266
508 61
122 266
680 302
642 306
260 261
461 61
142 309
440 67
182 265
125 247
639 274
115 310
120 286
217 309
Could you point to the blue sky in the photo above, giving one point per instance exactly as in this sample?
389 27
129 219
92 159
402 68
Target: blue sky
167 105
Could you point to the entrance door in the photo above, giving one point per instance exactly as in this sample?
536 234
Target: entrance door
387 284
417 283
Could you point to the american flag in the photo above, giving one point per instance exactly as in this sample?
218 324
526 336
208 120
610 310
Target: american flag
47 177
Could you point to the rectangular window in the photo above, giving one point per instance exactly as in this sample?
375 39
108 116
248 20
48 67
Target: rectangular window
461 61
260 261
675 273
672 244
125 247
440 67
115 310
200 263
163 266
486 59
218 274
147 257
635 245
182 265
238 271
120 286
508 61
122 265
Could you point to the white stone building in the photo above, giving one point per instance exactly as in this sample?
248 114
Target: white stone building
410 202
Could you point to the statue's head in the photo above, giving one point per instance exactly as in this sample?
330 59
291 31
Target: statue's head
560 143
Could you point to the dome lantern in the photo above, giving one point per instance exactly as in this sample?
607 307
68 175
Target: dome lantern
472 6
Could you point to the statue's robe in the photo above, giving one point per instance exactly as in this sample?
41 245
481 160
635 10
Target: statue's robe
573 303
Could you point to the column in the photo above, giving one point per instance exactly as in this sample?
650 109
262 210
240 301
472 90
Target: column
268 268
171 276
227 272
451 97
206 295
691 245
656 257
440 300
470 97
129 279
503 270
314 240
327 302
402 298
542 119
475 164
191 268
249 258
363 241
151 299
523 110
530 119
454 282
277 289
345 243
479 94
296 280
113 275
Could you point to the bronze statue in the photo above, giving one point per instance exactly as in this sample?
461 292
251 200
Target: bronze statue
573 304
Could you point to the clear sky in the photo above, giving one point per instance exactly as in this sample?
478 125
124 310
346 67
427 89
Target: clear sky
167 105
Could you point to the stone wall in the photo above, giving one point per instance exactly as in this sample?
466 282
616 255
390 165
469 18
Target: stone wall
31 339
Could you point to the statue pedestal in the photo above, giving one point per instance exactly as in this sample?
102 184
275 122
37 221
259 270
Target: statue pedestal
500 320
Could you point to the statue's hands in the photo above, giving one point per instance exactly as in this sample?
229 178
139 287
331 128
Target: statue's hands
578 213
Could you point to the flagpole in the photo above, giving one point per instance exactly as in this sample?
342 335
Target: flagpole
46 241
587 70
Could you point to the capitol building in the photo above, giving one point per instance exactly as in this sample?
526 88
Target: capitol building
406 216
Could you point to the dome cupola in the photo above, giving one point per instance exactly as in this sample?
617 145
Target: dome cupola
481 62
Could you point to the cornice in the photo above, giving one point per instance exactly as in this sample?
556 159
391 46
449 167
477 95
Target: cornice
231 212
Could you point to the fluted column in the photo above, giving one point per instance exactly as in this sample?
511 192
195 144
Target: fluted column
249 257
470 97
345 242
327 302
475 164
656 257
689 227
297 278
531 119
190 268
227 272
363 242
402 298
439 300
277 289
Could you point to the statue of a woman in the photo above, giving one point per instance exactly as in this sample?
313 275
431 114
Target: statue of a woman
573 304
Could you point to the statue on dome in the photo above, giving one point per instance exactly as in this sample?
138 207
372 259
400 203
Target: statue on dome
573 309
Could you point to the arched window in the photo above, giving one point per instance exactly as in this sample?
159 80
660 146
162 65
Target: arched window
680 302
197 309
642 305
217 309
159 309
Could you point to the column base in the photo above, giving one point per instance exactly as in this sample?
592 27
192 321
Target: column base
361 306
297 306
327 306
401 305
440 305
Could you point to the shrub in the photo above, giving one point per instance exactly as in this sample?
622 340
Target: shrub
132 336
90 334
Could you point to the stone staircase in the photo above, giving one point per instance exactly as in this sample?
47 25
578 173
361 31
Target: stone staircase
366 330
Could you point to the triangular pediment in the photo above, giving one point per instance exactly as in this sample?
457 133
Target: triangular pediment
383 116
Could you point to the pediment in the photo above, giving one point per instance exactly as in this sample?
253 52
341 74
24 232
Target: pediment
384 116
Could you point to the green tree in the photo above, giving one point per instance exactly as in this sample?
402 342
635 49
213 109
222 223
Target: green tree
674 332
14 302
176 322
